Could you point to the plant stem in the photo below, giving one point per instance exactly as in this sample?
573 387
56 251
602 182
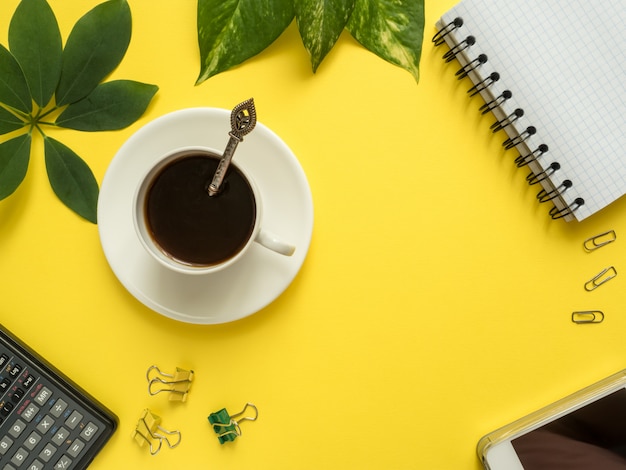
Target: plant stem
35 125
51 110
19 114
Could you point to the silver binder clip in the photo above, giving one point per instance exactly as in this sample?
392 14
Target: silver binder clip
603 276
587 316
600 240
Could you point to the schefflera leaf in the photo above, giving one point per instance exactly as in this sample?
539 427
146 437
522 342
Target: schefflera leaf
14 158
232 31
35 42
391 29
111 106
14 90
71 179
9 122
94 48
320 23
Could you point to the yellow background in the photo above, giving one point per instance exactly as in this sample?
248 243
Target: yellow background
433 306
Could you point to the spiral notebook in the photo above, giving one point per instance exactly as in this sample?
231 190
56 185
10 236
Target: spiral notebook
553 74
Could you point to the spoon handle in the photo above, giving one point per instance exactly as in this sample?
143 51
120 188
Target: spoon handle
227 156
242 121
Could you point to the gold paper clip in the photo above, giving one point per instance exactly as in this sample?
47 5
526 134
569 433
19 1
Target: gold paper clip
149 431
603 276
588 316
226 426
600 240
177 385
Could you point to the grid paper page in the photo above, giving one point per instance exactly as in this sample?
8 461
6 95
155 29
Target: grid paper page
565 63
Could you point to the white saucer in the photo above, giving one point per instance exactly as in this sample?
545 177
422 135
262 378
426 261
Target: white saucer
251 283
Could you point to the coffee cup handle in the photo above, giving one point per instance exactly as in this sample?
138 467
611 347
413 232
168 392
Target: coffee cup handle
274 243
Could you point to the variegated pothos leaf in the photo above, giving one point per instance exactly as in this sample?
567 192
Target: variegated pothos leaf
320 23
391 29
231 31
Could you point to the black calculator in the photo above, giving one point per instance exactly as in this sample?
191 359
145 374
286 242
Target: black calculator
46 420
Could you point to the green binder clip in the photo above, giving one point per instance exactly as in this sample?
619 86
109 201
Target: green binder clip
226 426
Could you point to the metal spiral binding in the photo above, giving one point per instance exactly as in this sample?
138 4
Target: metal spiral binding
483 85
524 160
515 141
557 213
473 65
545 196
533 178
440 37
507 121
460 47
496 102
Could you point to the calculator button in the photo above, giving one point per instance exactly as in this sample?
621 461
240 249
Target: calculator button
45 424
76 447
60 436
74 419
36 465
63 463
47 452
31 441
58 408
89 431
3 360
5 444
17 428
6 408
20 456
17 395
30 412
15 370
28 381
5 384
43 396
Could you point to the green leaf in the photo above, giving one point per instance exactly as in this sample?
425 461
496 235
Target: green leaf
391 29
71 179
35 41
232 31
14 157
94 49
320 23
9 122
111 106
14 90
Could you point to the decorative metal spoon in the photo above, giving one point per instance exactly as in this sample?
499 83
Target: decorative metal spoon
242 121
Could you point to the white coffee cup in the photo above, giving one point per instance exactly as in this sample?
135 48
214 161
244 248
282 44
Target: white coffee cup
184 228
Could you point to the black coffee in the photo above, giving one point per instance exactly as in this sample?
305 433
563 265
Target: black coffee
189 225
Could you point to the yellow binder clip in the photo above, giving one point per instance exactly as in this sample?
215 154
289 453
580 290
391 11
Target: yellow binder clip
149 431
227 426
177 384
